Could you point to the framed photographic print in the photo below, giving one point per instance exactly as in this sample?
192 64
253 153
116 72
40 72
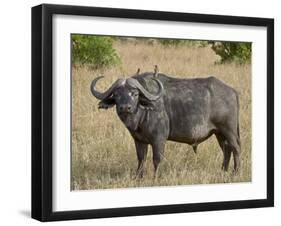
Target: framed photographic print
146 112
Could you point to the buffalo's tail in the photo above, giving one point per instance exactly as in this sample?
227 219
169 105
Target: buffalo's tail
238 127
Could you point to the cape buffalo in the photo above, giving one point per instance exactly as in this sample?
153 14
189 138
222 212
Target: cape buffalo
155 107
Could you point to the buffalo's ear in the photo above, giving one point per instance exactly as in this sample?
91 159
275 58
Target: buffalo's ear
146 103
107 103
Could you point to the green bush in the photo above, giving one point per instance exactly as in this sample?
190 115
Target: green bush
238 52
171 42
181 42
97 52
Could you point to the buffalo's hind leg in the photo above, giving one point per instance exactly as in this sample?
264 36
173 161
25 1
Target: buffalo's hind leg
141 149
234 145
226 151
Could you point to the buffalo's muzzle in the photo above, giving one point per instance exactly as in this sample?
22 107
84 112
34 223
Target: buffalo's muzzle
125 109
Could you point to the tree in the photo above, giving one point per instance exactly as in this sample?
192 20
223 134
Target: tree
238 52
96 51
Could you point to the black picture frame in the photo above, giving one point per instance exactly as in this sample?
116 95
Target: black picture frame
42 107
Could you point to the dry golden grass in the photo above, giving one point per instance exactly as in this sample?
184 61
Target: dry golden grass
103 152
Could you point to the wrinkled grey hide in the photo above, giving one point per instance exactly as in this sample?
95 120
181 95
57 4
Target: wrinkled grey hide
182 110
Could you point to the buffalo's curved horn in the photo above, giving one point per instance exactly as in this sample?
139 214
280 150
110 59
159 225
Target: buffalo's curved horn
108 92
134 83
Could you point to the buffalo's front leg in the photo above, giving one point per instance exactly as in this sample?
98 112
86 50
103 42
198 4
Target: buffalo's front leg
141 149
158 151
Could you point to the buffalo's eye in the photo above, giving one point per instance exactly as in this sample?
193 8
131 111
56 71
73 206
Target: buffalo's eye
133 94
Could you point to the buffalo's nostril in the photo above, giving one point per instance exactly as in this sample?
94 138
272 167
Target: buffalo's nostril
125 108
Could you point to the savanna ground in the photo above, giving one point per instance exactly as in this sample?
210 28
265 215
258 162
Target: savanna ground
103 152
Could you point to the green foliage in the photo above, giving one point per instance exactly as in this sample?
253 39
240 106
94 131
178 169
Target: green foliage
171 42
182 42
98 52
238 52
203 43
